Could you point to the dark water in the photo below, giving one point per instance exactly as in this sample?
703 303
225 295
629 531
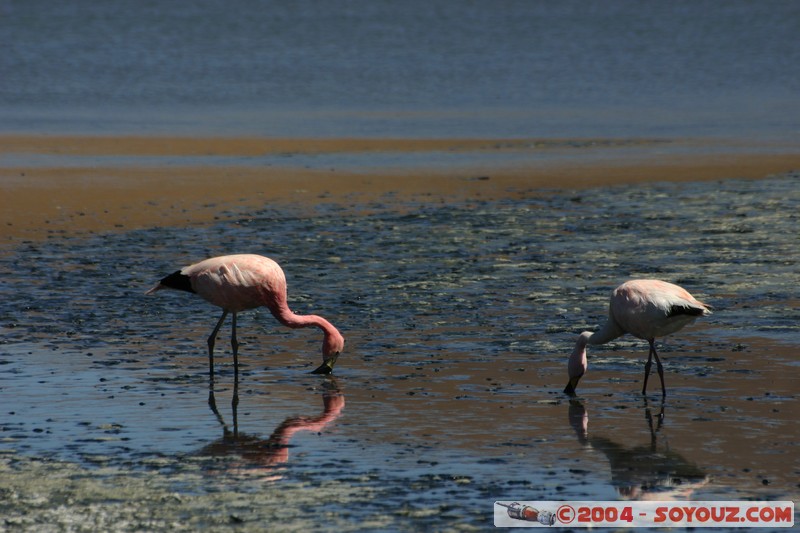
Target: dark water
459 319
414 68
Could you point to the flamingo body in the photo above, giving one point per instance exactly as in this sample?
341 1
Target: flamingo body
238 282
241 282
645 308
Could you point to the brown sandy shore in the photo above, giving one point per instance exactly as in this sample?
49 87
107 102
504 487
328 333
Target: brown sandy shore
65 194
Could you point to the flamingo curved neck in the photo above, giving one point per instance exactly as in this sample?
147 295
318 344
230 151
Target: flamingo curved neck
607 333
288 318
332 343
578 363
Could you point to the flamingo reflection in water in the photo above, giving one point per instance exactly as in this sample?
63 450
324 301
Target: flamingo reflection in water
259 457
646 472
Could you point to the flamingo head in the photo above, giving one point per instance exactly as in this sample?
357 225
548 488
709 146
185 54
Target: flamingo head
577 365
332 346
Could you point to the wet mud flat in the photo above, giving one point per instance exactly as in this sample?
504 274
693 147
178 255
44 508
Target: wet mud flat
459 318
60 185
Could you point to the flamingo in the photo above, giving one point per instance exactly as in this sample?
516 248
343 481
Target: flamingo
645 308
245 281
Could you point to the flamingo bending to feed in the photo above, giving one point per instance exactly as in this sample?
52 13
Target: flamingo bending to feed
645 308
240 282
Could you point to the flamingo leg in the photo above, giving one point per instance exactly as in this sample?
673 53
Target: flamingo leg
211 340
659 368
235 348
647 366
235 405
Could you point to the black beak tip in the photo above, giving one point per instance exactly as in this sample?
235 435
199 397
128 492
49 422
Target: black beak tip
326 367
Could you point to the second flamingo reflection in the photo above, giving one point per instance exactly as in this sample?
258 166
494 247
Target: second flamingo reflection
240 282
645 308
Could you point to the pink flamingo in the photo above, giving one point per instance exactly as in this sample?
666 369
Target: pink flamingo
645 308
240 282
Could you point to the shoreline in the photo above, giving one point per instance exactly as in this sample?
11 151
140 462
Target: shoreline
151 184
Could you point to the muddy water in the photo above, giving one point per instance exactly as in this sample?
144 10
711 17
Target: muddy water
459 319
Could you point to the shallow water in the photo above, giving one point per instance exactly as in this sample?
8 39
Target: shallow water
459 319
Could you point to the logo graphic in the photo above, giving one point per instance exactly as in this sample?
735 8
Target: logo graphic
651 513
527 513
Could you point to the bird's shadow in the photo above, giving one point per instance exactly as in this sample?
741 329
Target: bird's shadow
648 472
253 455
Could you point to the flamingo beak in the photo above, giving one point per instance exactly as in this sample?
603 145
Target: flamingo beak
156 287
327 366
570 388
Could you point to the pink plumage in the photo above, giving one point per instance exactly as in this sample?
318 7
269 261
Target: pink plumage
240 282
645 308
